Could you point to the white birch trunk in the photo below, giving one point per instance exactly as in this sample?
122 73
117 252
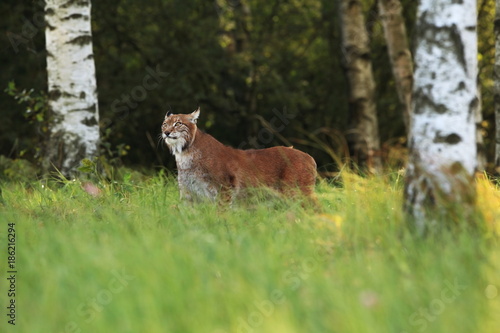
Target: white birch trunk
443 132
497 85
71 84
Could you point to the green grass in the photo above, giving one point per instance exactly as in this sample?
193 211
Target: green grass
136 259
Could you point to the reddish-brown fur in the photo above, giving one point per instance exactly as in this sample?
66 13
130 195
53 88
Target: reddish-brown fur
207 168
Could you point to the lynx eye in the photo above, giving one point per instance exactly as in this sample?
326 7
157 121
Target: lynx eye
177 124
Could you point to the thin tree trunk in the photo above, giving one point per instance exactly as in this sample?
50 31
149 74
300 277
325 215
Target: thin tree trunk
399 52
442 140
497 85
478 119
74 134
363 137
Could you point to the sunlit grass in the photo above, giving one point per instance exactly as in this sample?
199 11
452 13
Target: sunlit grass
136 259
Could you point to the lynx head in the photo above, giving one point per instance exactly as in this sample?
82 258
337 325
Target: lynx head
179 130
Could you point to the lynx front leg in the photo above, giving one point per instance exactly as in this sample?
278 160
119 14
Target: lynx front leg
184 194
196 188
227 195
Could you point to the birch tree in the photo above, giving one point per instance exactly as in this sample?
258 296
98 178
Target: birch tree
363 137
74 133
497 85
442 140
399 52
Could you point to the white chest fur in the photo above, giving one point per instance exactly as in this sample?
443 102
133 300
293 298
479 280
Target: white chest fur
194 182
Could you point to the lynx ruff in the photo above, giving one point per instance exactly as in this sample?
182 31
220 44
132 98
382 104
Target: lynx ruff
207 169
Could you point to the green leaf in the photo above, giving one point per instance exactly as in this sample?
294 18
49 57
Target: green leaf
87 166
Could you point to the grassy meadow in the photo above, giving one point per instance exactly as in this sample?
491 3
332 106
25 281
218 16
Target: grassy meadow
136 259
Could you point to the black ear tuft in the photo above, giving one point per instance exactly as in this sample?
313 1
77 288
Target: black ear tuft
169 113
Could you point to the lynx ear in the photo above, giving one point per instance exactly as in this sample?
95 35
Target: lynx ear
195 115
169 113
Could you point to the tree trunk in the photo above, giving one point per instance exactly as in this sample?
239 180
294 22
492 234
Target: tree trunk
478 120
74 133
399 52
442 140
363 136
497 86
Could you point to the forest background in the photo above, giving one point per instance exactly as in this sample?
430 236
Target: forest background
247 67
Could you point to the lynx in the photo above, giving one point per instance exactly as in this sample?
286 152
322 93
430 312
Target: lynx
207 169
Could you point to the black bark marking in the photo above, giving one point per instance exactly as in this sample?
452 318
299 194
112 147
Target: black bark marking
451 139
82 95
473 105
461 86
91 109
458 46
422 102
81 40
496 23
76 3
92 121
55 94
74 17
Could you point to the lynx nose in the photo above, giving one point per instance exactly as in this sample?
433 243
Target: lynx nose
166 133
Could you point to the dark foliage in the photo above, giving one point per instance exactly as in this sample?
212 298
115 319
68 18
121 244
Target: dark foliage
246 63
